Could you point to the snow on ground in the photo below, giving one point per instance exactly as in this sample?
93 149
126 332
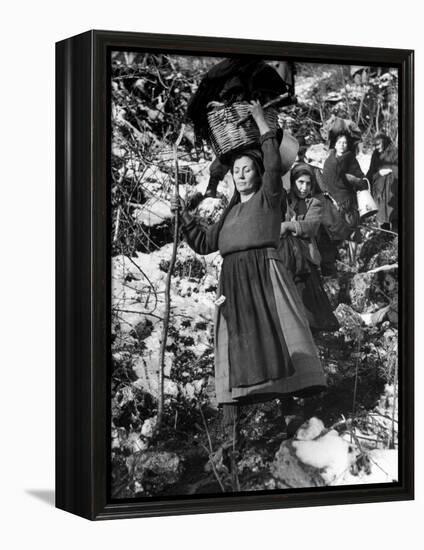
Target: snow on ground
137 308
153 212
383 469
304 85
330 453
335 455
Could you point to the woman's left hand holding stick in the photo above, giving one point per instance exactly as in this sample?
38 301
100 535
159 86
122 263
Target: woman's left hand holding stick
179 205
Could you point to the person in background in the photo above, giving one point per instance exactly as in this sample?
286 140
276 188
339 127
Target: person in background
298 244
342 177
263 344
383 176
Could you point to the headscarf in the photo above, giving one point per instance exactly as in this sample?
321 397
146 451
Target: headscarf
303 169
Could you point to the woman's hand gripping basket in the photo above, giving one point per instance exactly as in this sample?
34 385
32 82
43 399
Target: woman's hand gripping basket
231 128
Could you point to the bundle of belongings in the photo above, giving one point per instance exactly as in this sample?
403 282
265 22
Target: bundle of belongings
222 99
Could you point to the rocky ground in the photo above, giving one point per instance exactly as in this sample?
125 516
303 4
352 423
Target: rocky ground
347 435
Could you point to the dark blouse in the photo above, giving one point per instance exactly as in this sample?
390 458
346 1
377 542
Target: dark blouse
334 176
387 159
251 224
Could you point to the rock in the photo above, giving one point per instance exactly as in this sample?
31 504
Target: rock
135 444
358 290
171 388
310 429
312 460
143 329
149 426
155 470
330 454
198 385
289 472
189 391
350 321
251 462
266 483
332 289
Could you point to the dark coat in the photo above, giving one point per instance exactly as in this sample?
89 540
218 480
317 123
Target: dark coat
306 214
385 188
335 181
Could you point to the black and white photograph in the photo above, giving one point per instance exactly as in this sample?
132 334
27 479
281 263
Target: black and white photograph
211 233
254 219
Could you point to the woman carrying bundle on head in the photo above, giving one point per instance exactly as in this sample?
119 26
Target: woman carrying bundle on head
298 245
263 344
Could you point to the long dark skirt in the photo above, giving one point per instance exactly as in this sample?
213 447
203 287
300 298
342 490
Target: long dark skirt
308 281
263 343
317 305
385 192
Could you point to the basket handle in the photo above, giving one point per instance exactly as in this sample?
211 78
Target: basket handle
271 103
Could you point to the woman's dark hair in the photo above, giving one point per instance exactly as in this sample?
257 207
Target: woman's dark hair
254 155
384 138
303 169
337 136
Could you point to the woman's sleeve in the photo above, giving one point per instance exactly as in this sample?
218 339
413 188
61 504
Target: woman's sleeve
328 171
373 166
354 167
309 226
272 184
201 238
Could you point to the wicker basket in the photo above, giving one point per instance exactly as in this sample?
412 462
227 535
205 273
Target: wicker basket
226 135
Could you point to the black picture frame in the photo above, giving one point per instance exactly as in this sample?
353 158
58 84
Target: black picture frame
83 274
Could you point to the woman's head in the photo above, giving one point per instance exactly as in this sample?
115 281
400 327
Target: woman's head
247 170
381 141
302 181
342 144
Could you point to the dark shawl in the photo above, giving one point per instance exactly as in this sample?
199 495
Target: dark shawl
233 80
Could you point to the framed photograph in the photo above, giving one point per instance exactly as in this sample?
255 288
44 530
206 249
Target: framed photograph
234 274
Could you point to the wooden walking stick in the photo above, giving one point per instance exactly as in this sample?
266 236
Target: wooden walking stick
168 287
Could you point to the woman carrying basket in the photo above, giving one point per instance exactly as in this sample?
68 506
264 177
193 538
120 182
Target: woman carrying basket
263 344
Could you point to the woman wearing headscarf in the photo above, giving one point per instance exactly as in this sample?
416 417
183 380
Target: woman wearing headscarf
298 243
383 176
263 344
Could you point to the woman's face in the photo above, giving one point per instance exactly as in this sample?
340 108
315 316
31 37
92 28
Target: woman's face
245 176
341 146
379 145
303 186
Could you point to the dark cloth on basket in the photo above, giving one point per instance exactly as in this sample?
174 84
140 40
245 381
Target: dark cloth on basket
263 345
233 80
385 188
